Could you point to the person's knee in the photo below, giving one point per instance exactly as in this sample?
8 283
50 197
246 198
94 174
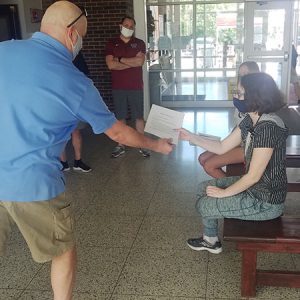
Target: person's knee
76 134
76 137
207 168
70 254
210 167
201 190
202 187
199 205
201 160
139 120
205 206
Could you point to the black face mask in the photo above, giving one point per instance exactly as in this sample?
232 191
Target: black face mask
241 105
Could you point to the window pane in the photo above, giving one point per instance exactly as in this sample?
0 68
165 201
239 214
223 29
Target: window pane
211 86
219 34
170 28
268 32
195 58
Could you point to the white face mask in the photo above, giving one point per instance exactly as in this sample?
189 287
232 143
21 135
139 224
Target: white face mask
78 46
127 32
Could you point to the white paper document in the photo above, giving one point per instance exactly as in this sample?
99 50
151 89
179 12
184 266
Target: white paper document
162 122
208 137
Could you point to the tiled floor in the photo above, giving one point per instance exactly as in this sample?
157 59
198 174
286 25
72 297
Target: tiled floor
133 218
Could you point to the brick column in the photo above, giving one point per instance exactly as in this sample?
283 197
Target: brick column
103 20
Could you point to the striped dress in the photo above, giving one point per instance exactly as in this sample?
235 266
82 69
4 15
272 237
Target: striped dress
268 132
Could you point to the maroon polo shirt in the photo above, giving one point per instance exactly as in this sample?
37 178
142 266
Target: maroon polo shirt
131 78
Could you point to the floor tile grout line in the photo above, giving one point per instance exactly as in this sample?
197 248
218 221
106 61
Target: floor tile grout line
30 281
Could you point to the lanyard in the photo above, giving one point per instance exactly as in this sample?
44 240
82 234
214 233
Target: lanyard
250 133
248 138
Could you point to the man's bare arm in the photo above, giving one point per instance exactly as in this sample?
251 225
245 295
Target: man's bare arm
126 135
114 64
133 62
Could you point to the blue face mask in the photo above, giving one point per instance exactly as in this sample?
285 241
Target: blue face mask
241 105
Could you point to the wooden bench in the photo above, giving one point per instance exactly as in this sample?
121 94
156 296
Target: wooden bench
281 235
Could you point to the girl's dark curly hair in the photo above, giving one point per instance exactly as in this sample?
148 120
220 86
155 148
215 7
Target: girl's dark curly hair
261 93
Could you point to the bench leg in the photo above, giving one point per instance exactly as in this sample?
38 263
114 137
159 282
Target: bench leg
248 288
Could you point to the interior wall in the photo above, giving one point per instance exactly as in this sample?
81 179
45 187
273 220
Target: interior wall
24 6
103 23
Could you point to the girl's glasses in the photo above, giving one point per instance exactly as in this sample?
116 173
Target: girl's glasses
238 93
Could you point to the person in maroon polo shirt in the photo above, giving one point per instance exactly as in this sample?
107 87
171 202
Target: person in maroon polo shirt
125 56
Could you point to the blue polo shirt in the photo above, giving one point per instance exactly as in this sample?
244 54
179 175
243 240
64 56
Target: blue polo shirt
42 98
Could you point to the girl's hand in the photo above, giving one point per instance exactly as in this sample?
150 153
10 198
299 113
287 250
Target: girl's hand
216 192
184 134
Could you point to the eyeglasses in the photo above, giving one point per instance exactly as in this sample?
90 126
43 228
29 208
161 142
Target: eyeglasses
237 93
84 13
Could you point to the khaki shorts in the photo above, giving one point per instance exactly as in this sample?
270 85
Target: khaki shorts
47 226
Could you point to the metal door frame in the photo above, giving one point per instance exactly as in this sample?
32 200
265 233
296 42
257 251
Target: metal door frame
281 56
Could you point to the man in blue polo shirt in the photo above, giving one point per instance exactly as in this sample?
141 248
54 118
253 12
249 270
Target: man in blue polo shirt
43 97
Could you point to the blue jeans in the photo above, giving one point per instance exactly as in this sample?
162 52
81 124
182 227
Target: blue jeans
241 206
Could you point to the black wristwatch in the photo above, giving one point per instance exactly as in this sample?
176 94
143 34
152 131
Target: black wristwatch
120 57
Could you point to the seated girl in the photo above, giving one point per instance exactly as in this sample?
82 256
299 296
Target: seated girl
261 192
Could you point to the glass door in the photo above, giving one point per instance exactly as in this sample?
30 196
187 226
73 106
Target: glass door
268 38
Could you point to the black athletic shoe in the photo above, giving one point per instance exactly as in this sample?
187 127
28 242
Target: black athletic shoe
117 151
79 165
144 152
200 244
65 166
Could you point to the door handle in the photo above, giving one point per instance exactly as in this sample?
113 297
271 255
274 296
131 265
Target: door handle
268 57
286 56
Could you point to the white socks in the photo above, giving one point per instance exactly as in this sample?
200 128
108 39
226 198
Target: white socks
211 239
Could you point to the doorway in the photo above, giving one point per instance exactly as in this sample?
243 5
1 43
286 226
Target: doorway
9 23
268 38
